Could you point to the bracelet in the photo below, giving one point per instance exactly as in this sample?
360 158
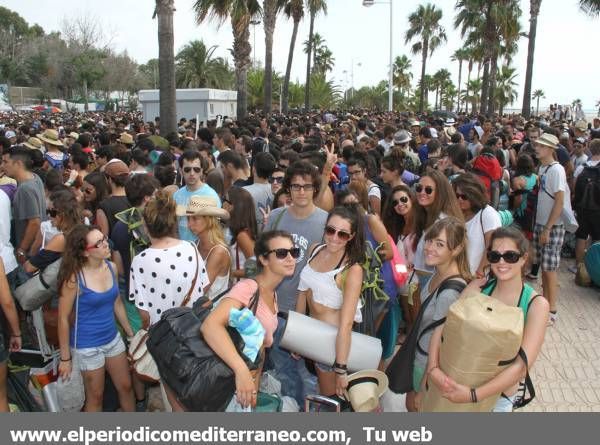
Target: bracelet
473 395
66 360
340 372
339 366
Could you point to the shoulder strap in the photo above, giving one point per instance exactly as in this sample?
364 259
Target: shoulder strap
545 173
191 291
277 221
315 251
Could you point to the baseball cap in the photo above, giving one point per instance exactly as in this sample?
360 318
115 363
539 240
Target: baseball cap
10 134
115 168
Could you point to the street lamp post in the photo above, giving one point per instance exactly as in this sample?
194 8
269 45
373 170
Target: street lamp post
254 23
391 72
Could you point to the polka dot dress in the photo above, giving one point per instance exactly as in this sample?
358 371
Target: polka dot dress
161 278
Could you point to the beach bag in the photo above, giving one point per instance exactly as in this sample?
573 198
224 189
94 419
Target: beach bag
40 288
140 359
400 369
187 365
592 262
481 337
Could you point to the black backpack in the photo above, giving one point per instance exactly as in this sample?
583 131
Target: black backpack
587 189
400 369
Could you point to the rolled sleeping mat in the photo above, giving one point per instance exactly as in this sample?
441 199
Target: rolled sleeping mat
315 340
40 288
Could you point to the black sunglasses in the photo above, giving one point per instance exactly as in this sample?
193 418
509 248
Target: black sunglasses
276 180
52 213
510 256
462 196
402 199
189 169
282 254
428 189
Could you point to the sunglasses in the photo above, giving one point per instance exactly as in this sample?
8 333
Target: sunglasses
428 189
52 213
281 254
341 234
462 196
510 256
402 199
305 187
189 169
97 244
275 179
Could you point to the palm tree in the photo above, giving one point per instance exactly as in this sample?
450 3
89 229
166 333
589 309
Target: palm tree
506 93
295 10
166 66
314 46
536 95
324 61
324 93
534 11
314 7
424 24
195 67
240 13
472 94
440 80
270 10
402 74
590 7
460 55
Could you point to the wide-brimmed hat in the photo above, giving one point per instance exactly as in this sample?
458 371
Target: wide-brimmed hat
126 139
50 136
581 125
450 131
402 137
365 388
548 140
202 206
73 135
33 143
414 123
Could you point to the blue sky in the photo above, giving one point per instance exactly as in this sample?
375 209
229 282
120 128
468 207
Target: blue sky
566 63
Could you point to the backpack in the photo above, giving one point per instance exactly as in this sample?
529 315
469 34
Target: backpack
487 167
342 175
133 219
587 189
400 369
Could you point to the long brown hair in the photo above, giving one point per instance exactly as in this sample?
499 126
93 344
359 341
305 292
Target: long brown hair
456 237
393 222
72 258
69 209
159 215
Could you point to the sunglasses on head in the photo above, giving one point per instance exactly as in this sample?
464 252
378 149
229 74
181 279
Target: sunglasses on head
282 254
428 189
189 169
98 243
341 234
462 196
52 213
276 179
402 199
510 256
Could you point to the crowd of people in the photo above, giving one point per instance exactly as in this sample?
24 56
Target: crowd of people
275 213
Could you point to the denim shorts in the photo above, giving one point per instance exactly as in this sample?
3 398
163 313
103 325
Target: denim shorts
90 359
324 368
504 404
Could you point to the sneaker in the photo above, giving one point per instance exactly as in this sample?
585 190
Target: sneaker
141 405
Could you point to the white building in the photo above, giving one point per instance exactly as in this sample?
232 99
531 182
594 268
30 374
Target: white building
204 102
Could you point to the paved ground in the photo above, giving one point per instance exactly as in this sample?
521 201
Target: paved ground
567 372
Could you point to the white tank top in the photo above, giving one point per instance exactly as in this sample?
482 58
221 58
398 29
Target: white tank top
221 282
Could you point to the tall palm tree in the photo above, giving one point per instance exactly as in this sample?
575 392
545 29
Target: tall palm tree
537 94
534 11
424 24
166 66
590 7
270 10
195 67
314 46
295 10
314 7
440 80
324 61
460 55
472 94
402 74
240 13
506 92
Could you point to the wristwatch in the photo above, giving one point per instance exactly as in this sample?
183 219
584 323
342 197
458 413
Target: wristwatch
21 252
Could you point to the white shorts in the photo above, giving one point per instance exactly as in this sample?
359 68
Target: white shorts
90 359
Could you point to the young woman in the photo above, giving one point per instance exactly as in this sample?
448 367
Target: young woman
87 327
204 220
14 342
445 251
392 168
436 200
243 227
330 285
276 256
480 218
95 190
507 256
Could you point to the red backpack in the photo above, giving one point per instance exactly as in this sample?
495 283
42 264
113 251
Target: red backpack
489 171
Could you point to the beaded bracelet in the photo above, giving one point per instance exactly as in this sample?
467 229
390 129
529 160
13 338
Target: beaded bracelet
473 395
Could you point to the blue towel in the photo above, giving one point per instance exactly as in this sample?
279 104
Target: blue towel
250 329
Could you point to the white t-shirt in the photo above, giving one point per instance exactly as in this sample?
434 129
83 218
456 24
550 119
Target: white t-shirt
387 146
161 278
6 248
375 191
482 222
552 180
579 161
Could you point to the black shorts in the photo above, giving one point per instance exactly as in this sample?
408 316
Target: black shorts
589 225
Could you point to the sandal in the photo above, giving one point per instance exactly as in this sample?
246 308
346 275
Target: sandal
552 319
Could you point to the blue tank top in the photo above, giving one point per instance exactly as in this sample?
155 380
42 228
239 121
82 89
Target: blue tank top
96 324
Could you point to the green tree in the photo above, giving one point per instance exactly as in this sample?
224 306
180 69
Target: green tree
149 71
424 25
240 13
460 55
506 92
89 69
294 9
314 7
166 66
271 9
472 94
537 94
402 74
324 93
324 61
195 67
440 80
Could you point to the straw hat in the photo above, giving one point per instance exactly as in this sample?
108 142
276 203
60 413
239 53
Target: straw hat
126 139
33 143
50 136
202 206
450 131
581 125
73 135
365 388
548 140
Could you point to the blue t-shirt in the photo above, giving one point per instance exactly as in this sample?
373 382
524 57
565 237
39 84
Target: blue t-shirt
182 197
423 153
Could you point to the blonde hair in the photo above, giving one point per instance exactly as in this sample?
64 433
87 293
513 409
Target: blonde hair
456 238
216 235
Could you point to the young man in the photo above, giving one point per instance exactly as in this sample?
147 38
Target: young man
29 201
388 139
306 223
190 163
549 231
263 167
232 167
